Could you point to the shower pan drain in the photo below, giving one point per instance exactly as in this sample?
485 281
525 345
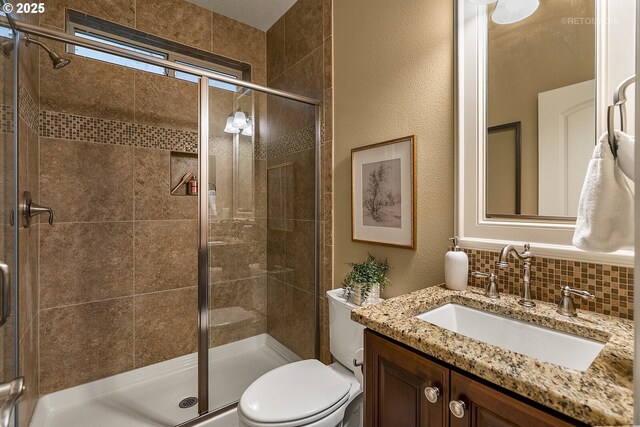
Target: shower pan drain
188 402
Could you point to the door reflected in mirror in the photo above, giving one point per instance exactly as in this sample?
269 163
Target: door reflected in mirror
540 74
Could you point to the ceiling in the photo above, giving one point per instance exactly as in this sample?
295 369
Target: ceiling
261 14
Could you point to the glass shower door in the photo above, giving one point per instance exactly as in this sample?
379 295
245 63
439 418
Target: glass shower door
261 243
10 386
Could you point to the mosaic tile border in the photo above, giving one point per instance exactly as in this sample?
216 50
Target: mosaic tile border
27 108
6 118
299 140
611 284
93 129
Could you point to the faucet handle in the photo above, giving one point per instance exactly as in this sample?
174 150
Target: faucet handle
491 290
568 291
566 306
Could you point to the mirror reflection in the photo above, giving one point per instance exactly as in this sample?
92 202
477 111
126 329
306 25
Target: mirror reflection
540 109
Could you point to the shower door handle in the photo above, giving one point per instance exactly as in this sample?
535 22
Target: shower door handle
9 394
5 303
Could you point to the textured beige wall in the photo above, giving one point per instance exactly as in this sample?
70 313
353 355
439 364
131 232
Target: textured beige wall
540 53
393 76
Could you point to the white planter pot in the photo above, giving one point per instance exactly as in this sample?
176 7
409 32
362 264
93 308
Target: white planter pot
358 298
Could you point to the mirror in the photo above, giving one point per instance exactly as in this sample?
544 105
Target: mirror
541 117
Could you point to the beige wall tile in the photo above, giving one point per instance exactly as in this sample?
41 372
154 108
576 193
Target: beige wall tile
28 277
327 117
166 102
119 11
300 255
87 87
327 54
28 368
71 353
152 187
29 63
220 106
166 325
303 30
326 167
249 294
303 191
325 351
236 331
260 189
300 320
166 255
305 77
276 311
275 50
239 310
233 260
182 22
85 262
327 17
84 181
242 42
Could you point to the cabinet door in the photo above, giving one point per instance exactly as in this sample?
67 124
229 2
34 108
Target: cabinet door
487 407
395 383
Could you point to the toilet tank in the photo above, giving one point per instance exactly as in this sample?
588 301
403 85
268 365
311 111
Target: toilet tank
345 336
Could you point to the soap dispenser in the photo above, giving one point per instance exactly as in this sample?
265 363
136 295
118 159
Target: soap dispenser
456 267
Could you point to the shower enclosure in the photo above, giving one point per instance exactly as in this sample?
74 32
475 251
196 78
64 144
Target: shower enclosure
157 301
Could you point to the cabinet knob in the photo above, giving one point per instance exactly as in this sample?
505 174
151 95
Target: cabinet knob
432 393
457 408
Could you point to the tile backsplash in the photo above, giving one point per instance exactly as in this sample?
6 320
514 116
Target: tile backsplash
611 284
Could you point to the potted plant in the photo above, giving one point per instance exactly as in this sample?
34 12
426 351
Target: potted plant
366 280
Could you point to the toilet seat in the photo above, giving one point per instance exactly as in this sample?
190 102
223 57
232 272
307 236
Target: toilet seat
294 395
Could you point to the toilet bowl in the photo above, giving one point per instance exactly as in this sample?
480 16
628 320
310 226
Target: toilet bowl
309 393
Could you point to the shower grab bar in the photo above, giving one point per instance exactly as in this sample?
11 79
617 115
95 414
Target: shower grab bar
619 100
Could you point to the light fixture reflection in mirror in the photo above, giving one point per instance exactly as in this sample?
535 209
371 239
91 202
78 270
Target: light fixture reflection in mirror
510 11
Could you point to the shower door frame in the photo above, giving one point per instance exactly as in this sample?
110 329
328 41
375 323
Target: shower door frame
203 207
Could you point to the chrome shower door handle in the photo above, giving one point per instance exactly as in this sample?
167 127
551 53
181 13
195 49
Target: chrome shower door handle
5 303
9 394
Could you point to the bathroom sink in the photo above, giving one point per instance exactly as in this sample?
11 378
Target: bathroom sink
547 345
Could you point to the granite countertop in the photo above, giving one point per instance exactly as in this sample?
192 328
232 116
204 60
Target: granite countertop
602 395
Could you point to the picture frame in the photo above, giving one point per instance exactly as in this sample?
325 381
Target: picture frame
383 193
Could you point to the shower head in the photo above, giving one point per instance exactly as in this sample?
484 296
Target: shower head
57 60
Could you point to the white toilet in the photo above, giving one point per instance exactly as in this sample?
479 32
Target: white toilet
309 393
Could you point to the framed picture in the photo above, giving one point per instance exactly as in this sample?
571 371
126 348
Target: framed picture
383 197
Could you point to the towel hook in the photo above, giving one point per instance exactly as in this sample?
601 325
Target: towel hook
619 99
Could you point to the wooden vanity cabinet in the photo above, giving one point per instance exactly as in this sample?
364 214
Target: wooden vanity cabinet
396 379
395 382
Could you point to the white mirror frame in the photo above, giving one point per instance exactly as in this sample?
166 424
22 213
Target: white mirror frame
547 238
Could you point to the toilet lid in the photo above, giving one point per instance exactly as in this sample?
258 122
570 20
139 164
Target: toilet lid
292 392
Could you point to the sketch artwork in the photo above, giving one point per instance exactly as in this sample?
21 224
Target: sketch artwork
381 189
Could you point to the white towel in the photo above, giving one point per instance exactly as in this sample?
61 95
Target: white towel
605 210
626 149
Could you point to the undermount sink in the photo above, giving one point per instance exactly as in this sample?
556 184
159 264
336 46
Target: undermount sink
547 345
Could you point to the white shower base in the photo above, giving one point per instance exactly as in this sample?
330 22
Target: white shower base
149 396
